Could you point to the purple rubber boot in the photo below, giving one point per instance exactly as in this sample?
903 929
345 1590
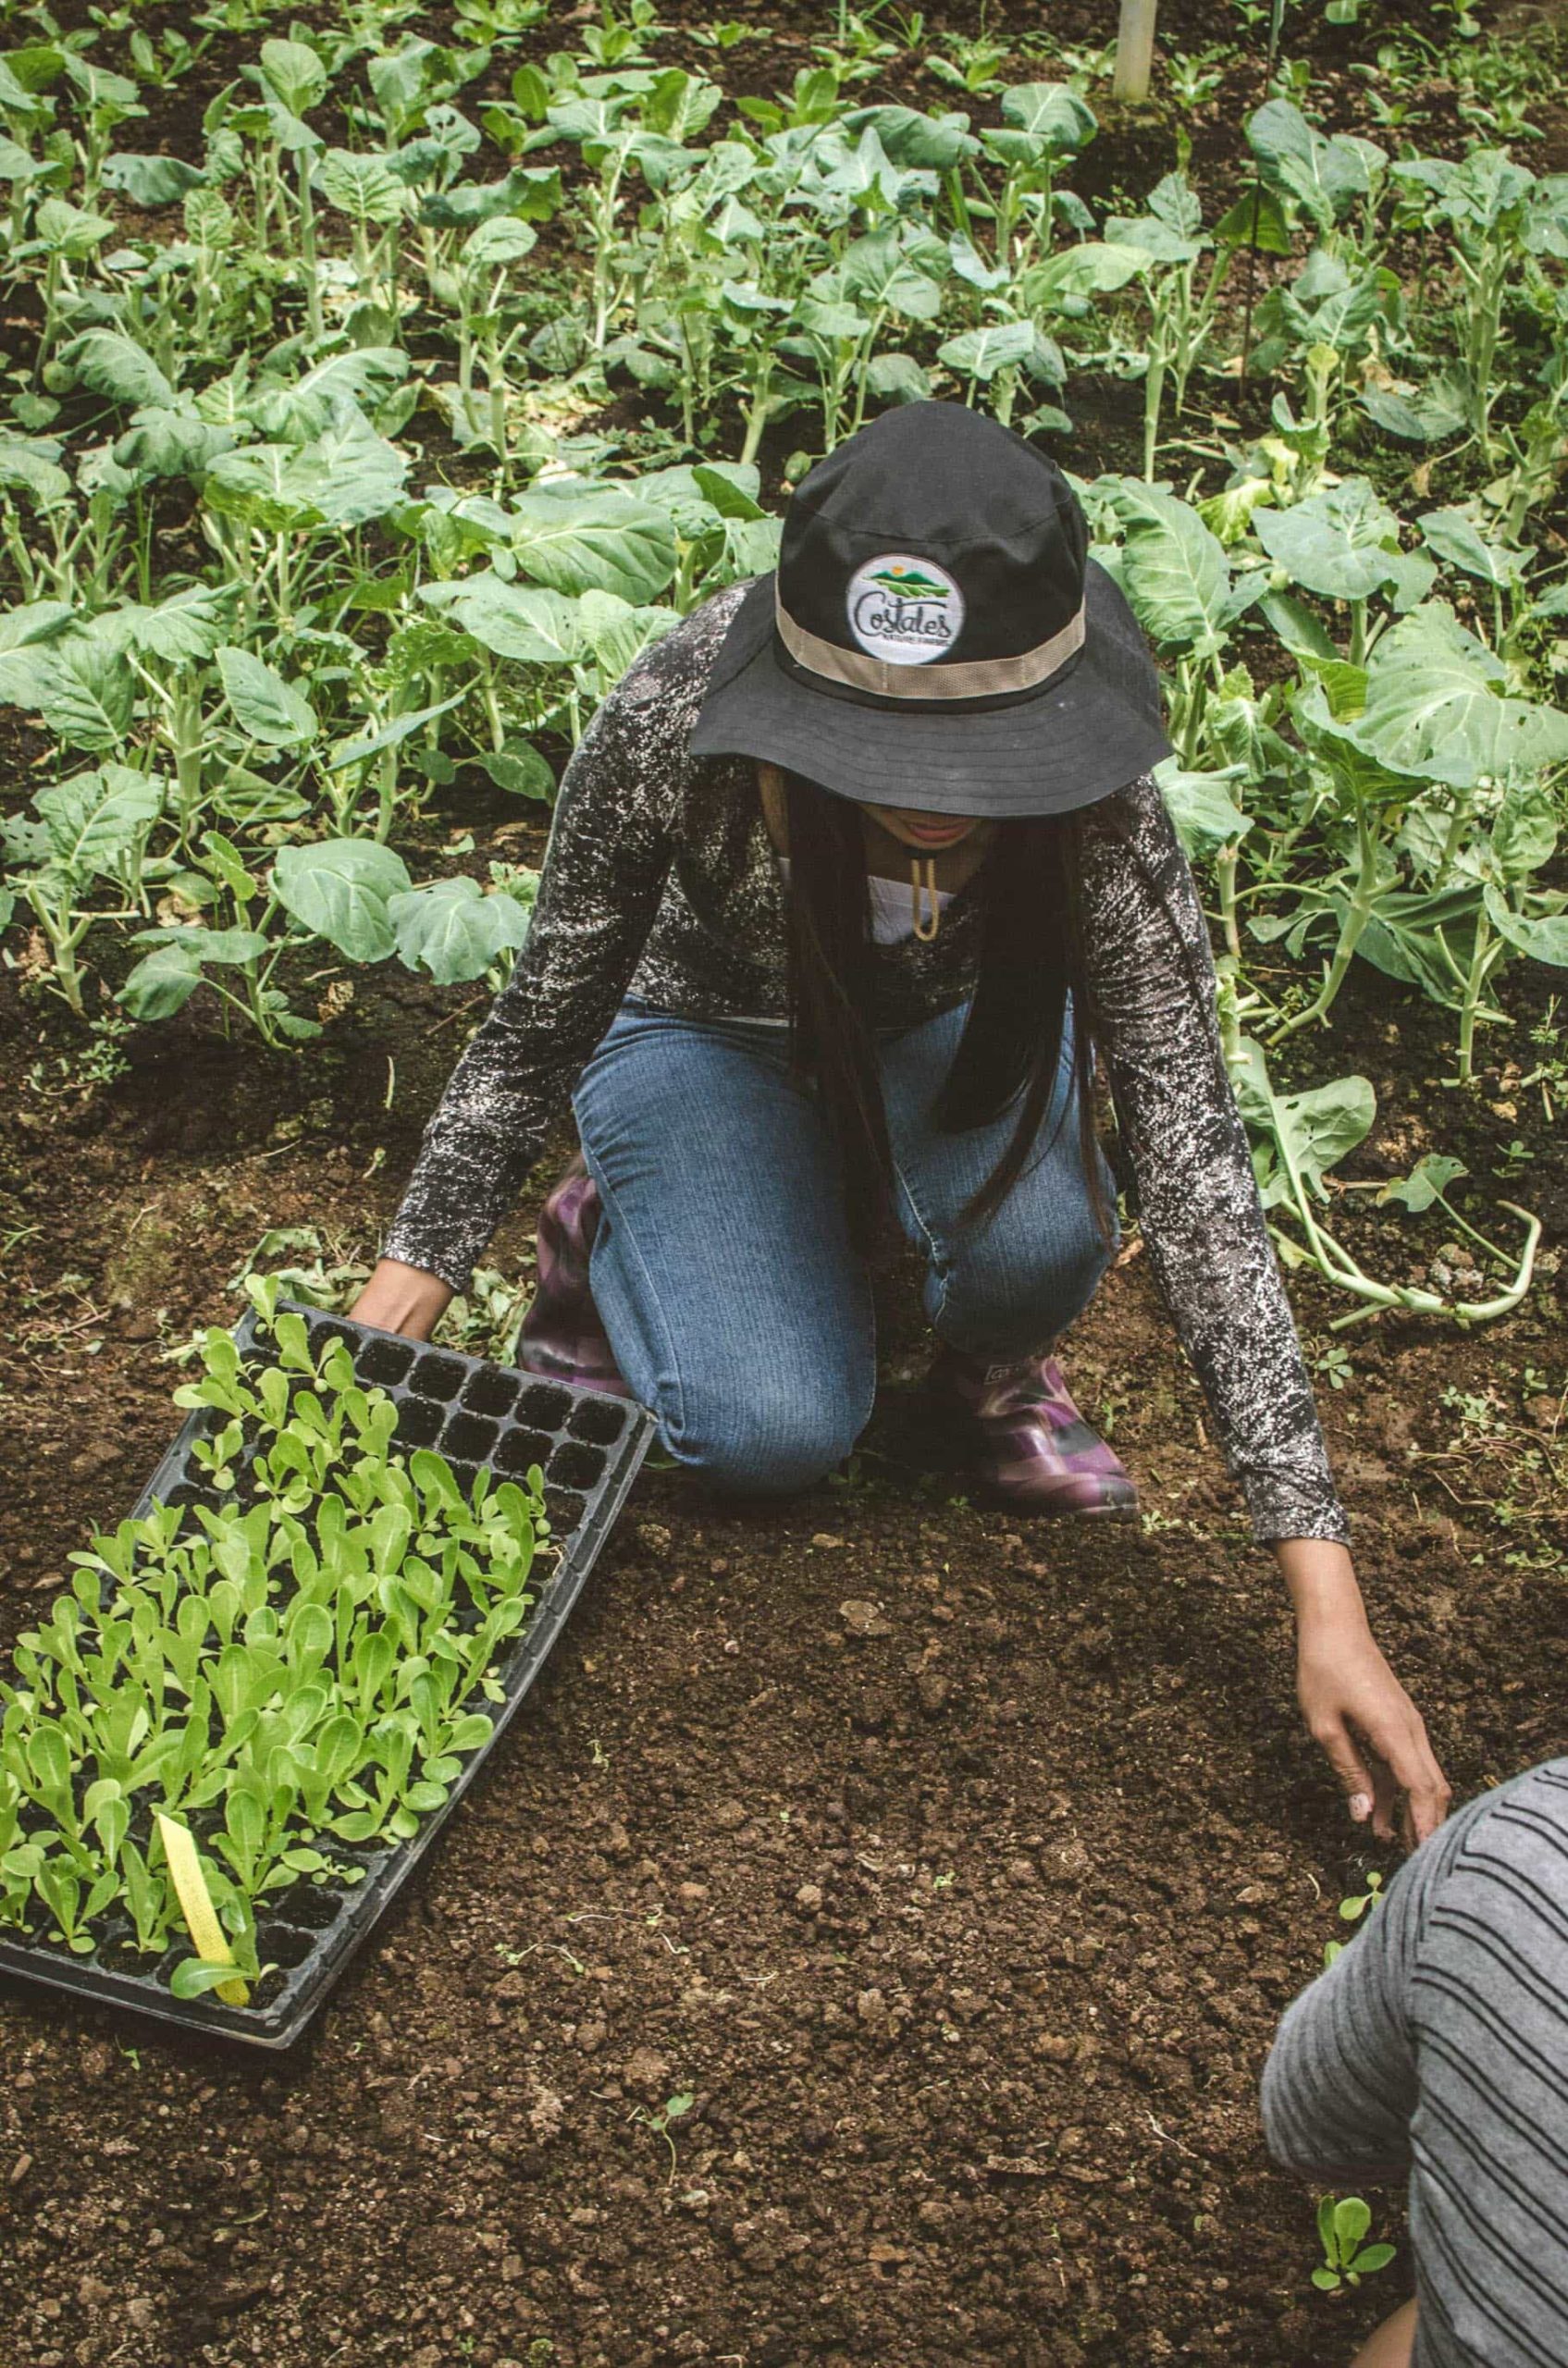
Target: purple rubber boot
1026 1440
561 1335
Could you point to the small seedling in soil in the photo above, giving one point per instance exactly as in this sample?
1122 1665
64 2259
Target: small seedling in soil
1352 1909
1343 2222
672 2109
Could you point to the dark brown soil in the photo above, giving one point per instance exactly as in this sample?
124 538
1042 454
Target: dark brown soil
965 1919
965 1915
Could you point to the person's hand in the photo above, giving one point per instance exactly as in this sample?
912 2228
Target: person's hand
402 1299
1367 1726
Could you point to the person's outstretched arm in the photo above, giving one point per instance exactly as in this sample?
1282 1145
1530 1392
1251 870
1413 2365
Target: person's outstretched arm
1152 982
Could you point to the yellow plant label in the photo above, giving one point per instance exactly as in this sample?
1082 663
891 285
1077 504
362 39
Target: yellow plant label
189 1883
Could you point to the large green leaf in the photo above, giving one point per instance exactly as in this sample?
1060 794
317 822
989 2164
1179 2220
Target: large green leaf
35 620
1326 175
150 180
1456 539
164 441
266 706
162 983
499 240
80 685
185 629
353 475
1317 1127
1052 116
69 230
1424 417
598 540
1340 543
1525 834
919 142
361 185
522 622
681 105
1201 807
95 821
980 353
877 270
1544 939
1174 571
1091 269
363 375
32 464
258 486
295 74
1357 775
451 929
1436 705
347 476
617 633
340 890
114 366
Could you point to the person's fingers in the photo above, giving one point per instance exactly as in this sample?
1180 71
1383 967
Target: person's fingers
1334 1740
1386 1797
1427 1789
1408 1776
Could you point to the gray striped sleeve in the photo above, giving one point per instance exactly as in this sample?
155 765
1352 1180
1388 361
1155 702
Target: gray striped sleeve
1437 2045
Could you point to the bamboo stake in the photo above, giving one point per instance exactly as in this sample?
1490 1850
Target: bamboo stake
1135 50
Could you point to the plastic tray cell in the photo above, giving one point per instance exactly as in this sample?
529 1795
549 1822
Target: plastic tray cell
589 1446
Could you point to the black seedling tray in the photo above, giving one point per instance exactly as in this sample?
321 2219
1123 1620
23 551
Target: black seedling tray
589 1446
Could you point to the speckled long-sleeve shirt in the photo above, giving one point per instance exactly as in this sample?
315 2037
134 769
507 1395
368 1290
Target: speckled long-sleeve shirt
661 881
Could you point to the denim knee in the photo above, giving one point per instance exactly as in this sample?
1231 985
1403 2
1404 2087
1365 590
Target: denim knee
1003 1304
763 1440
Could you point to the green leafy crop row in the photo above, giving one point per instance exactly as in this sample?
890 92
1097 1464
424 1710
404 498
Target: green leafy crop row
310 492
291 1666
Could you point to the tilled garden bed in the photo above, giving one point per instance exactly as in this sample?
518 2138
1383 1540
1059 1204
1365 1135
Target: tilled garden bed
958 1869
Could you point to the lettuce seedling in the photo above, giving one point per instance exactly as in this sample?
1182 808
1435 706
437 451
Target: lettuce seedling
293 1664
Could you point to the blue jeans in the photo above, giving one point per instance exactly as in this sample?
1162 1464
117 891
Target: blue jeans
722 1269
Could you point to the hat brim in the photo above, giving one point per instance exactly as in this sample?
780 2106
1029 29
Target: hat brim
1082 737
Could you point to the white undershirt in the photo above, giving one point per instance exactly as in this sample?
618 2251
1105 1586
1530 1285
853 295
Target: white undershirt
892 916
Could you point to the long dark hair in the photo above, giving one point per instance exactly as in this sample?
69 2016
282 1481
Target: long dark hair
1031 963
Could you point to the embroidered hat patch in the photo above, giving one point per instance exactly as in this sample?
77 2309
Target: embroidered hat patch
904 611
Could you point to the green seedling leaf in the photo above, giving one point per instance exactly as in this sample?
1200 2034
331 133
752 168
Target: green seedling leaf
194 1977
1428 1180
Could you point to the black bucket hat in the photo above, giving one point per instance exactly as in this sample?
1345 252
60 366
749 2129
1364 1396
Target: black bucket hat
934 636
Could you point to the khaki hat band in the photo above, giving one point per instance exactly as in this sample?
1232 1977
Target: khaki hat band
979 678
